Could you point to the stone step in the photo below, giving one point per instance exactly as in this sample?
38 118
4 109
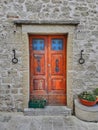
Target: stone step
48 111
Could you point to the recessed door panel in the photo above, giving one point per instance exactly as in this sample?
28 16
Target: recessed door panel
57 64
57 84
39 64
39 84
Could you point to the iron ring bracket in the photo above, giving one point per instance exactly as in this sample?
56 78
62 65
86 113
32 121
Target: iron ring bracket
14 60
81 60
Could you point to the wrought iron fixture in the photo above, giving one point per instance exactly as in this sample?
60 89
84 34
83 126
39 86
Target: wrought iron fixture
81 60
38 58
14 60
57 65
38 67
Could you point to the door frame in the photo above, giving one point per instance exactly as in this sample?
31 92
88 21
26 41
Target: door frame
47 29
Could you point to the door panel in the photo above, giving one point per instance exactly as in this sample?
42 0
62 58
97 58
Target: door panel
38 67
57 75
57 64
39 64
48 68
39 84
57 84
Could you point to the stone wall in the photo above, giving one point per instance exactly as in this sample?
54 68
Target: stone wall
86 38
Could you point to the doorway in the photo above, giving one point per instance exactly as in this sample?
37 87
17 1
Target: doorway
48 58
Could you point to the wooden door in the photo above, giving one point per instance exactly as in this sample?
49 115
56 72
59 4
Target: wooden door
48 68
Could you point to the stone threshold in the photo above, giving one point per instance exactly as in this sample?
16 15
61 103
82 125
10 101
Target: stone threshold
46 22
48 111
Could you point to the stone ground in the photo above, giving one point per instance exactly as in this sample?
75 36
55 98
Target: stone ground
17 121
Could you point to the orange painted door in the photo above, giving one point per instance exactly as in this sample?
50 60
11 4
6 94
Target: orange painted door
48 68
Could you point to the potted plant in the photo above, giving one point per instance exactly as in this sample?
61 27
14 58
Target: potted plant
37 103
95 92
87 98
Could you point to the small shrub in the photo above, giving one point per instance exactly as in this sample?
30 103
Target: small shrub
87 96
37 103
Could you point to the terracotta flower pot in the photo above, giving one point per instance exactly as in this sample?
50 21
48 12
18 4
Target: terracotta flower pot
86 102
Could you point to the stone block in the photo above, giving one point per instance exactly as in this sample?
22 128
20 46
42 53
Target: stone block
12 15
45 1
85 14
48 111
20 123
90 1
21 1
3 126
14 91
6 80
21 91
82 8
33 7
81 35
12 72
7 91
18 98
57 1
95 33
3 56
